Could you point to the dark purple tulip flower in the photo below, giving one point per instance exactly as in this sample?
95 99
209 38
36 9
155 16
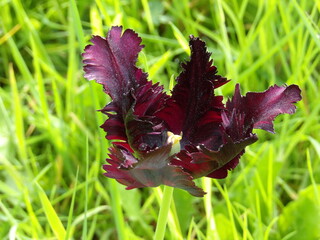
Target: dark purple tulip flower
173 139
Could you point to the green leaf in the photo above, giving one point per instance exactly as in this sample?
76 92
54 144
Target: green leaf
181 198
51 215
131 203
301 217
224 226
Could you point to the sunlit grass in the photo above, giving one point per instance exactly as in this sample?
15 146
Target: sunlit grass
52 149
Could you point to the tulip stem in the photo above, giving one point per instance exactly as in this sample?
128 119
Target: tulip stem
163 214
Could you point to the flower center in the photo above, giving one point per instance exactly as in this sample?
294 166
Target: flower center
175 141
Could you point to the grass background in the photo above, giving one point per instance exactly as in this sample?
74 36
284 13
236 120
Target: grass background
51 147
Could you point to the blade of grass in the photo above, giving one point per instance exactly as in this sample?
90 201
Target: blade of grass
269 229
181 39
172 219
96 22
18 58
77 24
159 64
52 217
212 232
7 213
103 9
36 227
270 53
68 232
117 210
9 34
225 39
93 225
24 19
313 28
90 213
163 214
40 82
85 223
148 15
18 117
313 181
225 195
174 222
72 62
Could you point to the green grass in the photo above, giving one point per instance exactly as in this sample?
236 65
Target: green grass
52 149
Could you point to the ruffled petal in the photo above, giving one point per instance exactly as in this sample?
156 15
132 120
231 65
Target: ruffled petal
144 133
242 114
111 61
192 97
260 109
151 170
223 171
200 161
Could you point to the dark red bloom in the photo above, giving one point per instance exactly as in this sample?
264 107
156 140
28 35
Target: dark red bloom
143 120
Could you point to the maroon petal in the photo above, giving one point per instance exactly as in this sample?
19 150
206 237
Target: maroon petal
260 109
152 169
114 168
224 154
201 161
150 98
223 171
111 62
144 133
192 97
255 110
197 170
114 125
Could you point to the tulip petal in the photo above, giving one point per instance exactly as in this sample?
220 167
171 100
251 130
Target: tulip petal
255 110
152 169
111 61
200 161
192 97
260 109
223 171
